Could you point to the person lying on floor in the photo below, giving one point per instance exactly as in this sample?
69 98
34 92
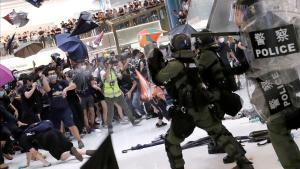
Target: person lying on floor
43 135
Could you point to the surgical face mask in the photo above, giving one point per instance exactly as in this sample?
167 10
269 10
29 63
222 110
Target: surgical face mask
52 78
2 93
221 40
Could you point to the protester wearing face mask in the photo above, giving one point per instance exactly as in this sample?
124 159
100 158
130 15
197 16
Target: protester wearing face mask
74 101
81 82
59 107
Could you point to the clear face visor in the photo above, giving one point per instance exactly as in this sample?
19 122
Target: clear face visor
241 14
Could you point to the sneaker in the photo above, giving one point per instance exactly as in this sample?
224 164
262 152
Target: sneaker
136 122
123 121
97 120
89 130
143 117
75 153
110 131
47 165
80 144
161 125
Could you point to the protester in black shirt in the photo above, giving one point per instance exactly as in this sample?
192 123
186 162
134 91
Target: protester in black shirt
29 98
225 53
9 132
43 135
128 85
59 107
81 82
6 103
74 102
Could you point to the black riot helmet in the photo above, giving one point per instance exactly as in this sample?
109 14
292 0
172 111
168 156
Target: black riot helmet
205 40
180 42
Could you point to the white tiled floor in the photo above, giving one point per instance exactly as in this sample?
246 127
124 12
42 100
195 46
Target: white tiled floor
155 157
126 136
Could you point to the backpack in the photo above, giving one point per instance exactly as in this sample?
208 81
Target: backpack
39 127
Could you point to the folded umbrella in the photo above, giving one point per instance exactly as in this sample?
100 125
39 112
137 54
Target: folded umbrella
84 24
28 49
9 46
5 75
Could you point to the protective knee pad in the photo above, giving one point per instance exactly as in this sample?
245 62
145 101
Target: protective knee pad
183 125
217 131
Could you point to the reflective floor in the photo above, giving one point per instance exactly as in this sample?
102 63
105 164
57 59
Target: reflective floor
126 136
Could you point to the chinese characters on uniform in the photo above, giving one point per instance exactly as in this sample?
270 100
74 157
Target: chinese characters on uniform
274 42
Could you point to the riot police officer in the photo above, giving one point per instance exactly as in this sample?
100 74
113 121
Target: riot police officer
267 26
192 104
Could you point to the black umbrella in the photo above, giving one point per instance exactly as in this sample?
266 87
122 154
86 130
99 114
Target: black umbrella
28 49
9 45
186 29
36 3
84 24
104 157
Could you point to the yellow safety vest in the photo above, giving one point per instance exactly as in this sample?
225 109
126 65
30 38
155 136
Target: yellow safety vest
109 90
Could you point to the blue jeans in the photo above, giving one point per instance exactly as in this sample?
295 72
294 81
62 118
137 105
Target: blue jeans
136 102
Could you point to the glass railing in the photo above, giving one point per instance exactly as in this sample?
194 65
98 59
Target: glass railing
48 41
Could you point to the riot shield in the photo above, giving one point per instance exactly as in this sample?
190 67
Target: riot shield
270 30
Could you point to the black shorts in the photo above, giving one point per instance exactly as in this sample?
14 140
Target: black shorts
52 140
64 115
98 96
55 142
86 102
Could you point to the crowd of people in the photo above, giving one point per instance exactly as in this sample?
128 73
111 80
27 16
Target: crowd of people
132 7
93 96
183 11
46 35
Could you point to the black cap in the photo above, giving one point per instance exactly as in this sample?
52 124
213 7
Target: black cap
206 40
